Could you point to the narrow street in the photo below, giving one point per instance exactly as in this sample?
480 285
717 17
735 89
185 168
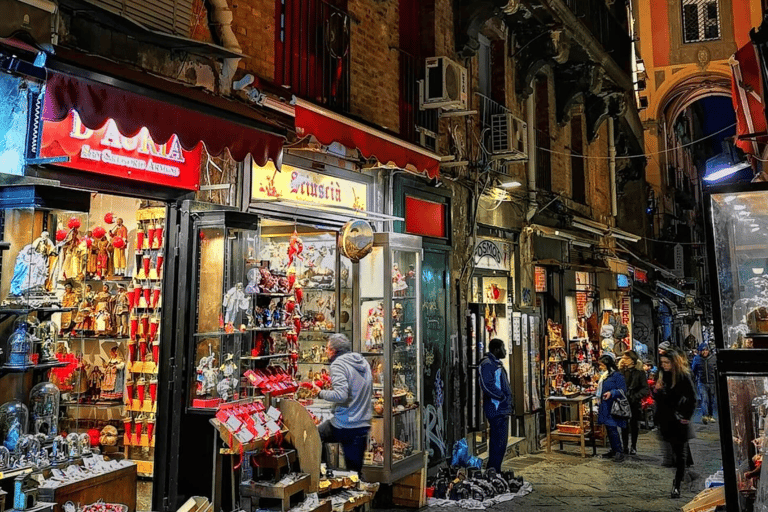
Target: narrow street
564 481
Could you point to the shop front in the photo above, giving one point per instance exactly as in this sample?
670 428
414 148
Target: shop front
737 255
90 282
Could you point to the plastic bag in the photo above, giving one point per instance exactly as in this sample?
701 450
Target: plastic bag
461 456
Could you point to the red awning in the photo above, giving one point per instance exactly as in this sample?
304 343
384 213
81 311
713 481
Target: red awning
328 127
96 102
748 100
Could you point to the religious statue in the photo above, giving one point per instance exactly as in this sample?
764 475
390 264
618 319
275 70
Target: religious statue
91 265
31 269
227 386
102 257
206 374
119 240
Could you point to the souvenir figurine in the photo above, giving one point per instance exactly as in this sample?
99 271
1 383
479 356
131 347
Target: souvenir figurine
396 333
233 303
121 311
94 382
408 335
84 317
31 270
47 332
227 386
114 376
104 305
206 374
295 248
254 276
399 286
119 239
102 257
69 300
20 346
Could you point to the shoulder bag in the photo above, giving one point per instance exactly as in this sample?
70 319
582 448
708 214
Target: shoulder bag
620 407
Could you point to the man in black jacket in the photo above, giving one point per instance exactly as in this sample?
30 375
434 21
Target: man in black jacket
704 369
497 401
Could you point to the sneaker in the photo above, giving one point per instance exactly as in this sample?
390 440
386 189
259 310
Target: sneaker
704 420
675 490
632 451
619 457
712 419
609 455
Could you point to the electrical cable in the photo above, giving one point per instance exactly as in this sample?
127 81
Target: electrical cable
645 155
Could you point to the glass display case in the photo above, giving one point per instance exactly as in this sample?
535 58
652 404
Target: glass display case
267 295
389 336
737 225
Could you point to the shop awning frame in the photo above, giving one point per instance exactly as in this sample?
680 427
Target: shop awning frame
562 235
329 127
165 108
671 289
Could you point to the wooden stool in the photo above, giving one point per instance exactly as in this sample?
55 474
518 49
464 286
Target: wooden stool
252 493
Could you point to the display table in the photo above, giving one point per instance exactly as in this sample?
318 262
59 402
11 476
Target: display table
570 432
118 486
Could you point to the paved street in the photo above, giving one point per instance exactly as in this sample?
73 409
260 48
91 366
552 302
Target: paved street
564 481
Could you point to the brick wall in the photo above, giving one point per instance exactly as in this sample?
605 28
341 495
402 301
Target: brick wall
375 62
254 27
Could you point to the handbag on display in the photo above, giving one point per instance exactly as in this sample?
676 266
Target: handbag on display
620 407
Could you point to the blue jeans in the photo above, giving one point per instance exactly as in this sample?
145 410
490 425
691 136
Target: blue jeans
354 441
497 441
614 438
707 398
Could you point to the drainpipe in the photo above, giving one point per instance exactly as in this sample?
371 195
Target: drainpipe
612 166
530 106
222 22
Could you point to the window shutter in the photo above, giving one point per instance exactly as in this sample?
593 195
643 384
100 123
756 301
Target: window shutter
169 16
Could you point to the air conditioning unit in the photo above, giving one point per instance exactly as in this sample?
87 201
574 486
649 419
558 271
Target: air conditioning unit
31 16
509 138
445 85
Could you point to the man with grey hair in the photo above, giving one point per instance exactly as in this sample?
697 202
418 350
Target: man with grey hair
351 395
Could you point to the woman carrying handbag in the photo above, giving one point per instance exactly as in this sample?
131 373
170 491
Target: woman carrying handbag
610 388
675 405
637 388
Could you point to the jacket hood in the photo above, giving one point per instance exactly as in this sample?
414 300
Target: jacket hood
703 346
355 361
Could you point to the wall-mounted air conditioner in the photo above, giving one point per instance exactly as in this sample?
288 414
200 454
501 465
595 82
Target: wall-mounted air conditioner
509 138
444 86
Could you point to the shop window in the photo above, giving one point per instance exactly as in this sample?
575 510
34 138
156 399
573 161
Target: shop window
578 177
312 50
701 20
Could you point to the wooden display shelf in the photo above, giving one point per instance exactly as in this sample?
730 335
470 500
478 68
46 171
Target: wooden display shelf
143 442
145 468
119 485
410 491
254 492
145 406
139 367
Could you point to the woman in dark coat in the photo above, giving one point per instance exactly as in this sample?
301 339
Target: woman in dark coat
675 404
631 368
608 389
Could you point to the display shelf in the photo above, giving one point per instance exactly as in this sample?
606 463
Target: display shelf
264 358
97 405
13 473
237 331
41 366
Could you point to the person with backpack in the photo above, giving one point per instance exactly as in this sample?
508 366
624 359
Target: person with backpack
704 368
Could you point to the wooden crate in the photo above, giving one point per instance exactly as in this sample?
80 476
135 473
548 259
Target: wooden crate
707 500
410 491
118 486
195 504
572 427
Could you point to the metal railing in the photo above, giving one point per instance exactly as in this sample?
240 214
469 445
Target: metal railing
312 57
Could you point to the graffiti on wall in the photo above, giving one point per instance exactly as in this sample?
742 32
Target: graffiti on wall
435 422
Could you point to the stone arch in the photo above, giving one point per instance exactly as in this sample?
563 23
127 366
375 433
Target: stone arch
689 89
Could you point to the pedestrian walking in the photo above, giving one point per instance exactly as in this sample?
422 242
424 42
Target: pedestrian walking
610 385
352 383
497 401
631 368
675 404
703 368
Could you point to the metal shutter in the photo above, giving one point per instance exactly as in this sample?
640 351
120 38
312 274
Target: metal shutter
170 16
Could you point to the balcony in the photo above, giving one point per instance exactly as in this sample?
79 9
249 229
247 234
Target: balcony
312 52
606 29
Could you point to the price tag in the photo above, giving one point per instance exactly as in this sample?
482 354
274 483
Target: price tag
273 413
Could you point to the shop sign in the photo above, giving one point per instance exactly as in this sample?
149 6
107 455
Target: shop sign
107 151
303 186
493 254
541 279
626 311
581 303
641 275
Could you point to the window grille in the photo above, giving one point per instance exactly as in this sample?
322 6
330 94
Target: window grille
701 20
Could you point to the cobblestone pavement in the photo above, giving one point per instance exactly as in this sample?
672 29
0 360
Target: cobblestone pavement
564 481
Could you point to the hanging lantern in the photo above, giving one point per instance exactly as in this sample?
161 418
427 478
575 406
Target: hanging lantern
73 223
118 242
109 218
61 235
98 232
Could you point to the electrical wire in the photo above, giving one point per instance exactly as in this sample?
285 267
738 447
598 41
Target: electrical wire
645 155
